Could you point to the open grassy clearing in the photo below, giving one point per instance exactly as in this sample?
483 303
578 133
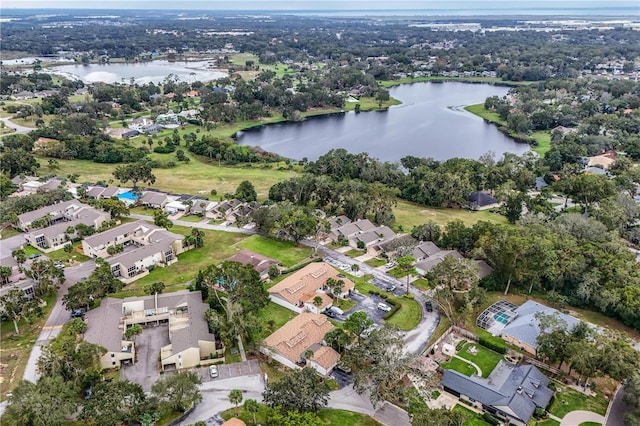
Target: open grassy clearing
567 400
8 232
194 178
409 215
375 262
272 317
543 138
15 348
421 284
286 252
354 253
370 104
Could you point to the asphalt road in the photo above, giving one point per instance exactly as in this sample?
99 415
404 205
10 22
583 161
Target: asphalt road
19 129
617 410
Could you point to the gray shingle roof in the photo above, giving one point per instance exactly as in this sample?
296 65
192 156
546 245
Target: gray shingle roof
54 208
425 249
516 390
109 235
526 328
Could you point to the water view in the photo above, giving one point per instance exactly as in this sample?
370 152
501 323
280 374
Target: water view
431 122
142 72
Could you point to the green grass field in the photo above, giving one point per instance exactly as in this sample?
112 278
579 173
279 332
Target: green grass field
484 358
421 283
274 316
284 251
473 418
409 215
375 262
567 400
329 417
459 366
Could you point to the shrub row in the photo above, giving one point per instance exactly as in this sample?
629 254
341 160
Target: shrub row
395 307
487 417
493 343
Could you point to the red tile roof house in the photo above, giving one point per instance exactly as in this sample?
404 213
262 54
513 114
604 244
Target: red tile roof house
299 343
298 291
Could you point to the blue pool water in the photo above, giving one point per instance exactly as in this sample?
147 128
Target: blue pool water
128 196
502 318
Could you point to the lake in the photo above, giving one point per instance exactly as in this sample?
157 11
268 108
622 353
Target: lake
142 72
429 123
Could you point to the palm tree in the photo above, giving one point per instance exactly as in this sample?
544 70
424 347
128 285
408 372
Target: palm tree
235 397
252 406
355 268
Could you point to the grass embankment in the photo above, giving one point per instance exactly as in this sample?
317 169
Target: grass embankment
542 138
15 348
329 417
567 400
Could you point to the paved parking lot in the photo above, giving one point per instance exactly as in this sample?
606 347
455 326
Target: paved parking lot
229 371
369 305
146 371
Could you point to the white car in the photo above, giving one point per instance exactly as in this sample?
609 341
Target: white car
213 371
384 307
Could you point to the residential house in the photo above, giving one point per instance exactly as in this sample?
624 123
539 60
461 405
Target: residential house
604 160
190 343
297 291
61 218
168 120
362 234
523 329
145 245
482 201
234 421
140 123
9 262
424 250
201 207
51 184
101 192
259 262
27 286
299 343
25 94
510 392
426 265
233 210
121 133
175 207
153 199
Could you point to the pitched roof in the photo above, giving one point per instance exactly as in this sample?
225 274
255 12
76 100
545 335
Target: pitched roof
259 262
234 421
103 325
159 241
152 197
429 263
326 357
352 228
325 299
299 334
526 328
425 249
481 199
109 235
307 280
379 233
338 221
54 208
516 390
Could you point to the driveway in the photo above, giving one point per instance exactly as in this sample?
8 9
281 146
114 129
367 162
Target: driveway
147 370
367 304
575 418
617 409
19 129
7 245
59 315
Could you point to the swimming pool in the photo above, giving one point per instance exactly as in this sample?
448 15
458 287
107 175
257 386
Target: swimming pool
128 196
502 318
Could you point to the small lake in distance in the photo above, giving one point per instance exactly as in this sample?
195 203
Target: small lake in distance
142 72
429 123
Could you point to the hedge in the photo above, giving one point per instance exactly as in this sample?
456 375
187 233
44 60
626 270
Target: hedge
395 307
166 149
487 417
493 343
298 267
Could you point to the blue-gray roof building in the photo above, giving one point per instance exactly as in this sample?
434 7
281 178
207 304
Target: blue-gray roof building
510 392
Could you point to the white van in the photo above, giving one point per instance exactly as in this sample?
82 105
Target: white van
384 307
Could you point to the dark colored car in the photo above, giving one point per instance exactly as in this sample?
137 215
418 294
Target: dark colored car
429 306
78 313
34 255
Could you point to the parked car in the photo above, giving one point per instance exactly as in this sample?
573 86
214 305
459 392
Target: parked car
330 313
391 287
429 306
59 265
213 371
78 313
34 255
384 307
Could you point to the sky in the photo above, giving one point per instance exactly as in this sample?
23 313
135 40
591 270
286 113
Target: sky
317 4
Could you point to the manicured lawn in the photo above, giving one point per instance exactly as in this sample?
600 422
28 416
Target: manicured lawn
397 272
191 218
590 424
354 253
459 366
409 215
421 283
550 422
330 417
478 109
567 400
8 232
17 347
543 138
60 255
284 251
375 262
484 358
344 304
272 317
218 246
370 104
473 418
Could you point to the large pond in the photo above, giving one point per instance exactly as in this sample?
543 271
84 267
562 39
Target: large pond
141 72
431 122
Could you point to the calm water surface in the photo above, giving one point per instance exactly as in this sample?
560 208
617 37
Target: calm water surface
142 72
429 123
